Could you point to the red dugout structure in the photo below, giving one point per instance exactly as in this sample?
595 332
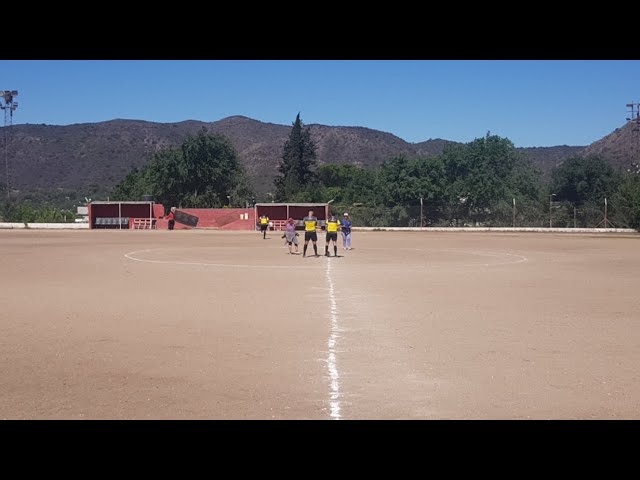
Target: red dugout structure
279 213
125 214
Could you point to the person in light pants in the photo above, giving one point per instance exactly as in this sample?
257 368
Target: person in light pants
345 225
290 235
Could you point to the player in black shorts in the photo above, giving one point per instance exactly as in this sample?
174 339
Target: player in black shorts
310 225
332 235
264 224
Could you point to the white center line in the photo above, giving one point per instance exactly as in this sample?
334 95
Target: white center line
332 367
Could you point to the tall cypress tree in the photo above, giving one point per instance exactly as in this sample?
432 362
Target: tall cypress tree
298 163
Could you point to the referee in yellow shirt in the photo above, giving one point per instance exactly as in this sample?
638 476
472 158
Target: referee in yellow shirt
310 225
332 235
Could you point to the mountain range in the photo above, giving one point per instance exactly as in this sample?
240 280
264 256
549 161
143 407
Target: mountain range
91 158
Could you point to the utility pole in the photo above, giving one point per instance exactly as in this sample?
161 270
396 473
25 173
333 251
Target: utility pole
514 213
421 217
8 107
551 209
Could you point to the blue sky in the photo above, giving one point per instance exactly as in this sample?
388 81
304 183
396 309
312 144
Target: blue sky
534 103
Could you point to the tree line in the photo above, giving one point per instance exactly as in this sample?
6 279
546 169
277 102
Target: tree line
474 183
26 212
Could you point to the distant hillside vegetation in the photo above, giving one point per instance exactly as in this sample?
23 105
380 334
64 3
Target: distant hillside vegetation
93 157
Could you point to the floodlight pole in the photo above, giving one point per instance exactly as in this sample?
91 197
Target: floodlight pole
421 217
327 208
634 113
514 213
634 120
6 152
551 209
8 107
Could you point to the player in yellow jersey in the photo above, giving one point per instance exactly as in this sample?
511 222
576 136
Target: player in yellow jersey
310 225
264 224
332 235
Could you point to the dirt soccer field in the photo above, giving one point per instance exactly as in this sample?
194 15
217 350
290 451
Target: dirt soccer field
410 325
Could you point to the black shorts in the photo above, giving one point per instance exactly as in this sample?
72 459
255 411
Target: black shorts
332 236
313 236
263 227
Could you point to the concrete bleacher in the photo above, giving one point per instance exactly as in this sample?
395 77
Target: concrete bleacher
112 222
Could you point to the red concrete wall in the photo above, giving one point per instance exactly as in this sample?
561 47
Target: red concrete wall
298 213
127 209
163 224
276 212
158 210
241 224
295 212
221 218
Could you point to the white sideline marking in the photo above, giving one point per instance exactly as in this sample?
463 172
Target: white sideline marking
518 259
131 256
332 367
521 258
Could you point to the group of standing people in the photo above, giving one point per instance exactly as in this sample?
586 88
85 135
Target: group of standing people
310 234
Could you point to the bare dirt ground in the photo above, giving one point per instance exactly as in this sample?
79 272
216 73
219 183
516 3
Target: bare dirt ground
225 325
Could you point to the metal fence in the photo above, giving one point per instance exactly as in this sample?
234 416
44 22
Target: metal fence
556 214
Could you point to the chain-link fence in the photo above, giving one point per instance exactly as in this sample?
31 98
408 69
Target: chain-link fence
556 214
